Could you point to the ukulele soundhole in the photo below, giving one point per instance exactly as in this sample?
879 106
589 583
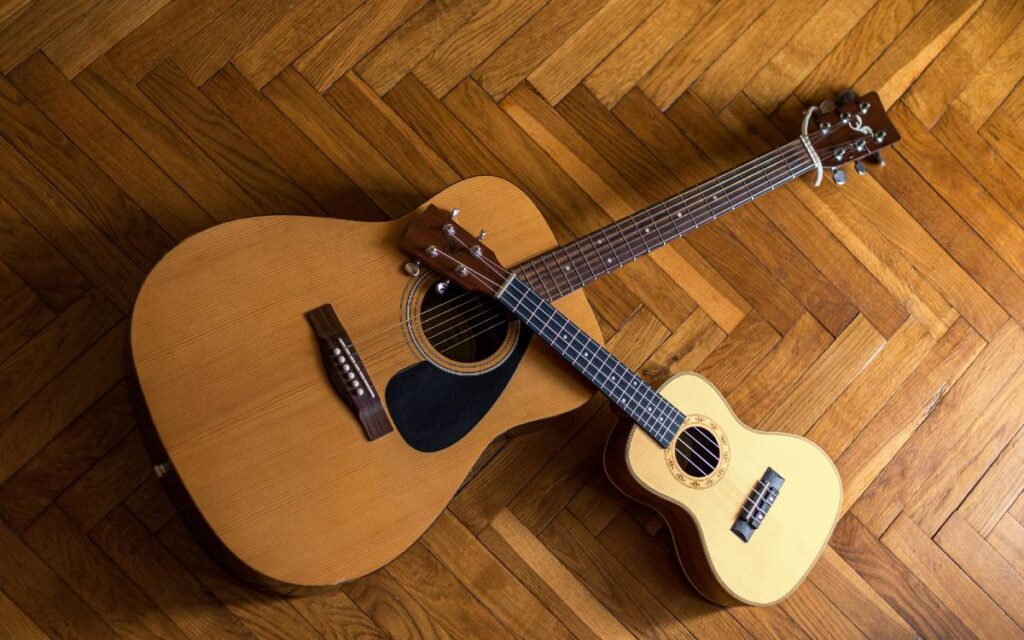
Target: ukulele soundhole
699 453
462 332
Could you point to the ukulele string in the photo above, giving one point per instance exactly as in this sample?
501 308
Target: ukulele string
693 451
501 317
767 169
709 465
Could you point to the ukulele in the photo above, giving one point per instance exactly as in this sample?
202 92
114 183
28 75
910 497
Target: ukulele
318 395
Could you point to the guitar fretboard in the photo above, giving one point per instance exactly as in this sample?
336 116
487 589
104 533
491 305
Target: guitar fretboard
570 267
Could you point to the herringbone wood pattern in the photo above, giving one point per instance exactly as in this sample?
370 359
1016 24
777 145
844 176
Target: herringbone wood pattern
881 319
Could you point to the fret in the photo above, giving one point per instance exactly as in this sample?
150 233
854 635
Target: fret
728 199
642 234
604 241
746 186
629 248
586 259
657 224
554 282
570 267
561 276
542 281
768 179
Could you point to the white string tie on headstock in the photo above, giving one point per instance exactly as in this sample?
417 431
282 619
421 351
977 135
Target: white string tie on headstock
810 147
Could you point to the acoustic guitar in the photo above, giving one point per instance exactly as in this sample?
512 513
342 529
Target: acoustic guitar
320 388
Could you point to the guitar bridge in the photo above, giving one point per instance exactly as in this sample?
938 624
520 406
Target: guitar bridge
346 372
760 500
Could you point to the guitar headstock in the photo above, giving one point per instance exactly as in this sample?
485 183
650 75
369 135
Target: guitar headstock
437 240
852 129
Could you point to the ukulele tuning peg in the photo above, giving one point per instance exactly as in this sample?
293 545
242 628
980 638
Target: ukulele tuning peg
454 213
859 168
876 158
480 236
839 177
442 286
826 107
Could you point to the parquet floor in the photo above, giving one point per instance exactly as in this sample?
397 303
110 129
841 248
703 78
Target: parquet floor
882 319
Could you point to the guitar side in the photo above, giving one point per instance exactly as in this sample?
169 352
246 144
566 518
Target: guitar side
722 566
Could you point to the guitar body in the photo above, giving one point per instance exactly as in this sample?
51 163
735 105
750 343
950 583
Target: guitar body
701 512
278 466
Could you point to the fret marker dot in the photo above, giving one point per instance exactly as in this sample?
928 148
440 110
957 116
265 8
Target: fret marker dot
568 268
609 260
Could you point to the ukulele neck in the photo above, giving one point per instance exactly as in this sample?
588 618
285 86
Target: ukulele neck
570 267
645 406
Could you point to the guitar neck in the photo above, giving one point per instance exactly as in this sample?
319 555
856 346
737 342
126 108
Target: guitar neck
624 388
570 267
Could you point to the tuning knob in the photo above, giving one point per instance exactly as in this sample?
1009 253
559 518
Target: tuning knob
480 236
839 177
454 213
876 158
845 98
441 287
859 168
826 107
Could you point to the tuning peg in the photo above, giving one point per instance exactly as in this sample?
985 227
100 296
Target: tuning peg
412 269
455 213
826 107
846 97
839 177
480 236
442 286
876 158
859 168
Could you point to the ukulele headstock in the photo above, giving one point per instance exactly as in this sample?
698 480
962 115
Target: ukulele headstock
852 129
439 242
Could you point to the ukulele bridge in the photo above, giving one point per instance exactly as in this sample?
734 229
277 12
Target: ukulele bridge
346 372
756 507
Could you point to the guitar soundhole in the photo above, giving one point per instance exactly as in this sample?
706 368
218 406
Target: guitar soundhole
465 327
697 452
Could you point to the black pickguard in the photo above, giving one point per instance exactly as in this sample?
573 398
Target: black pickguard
433 409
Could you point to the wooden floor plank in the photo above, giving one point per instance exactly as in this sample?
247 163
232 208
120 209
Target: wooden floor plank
882 319
298 156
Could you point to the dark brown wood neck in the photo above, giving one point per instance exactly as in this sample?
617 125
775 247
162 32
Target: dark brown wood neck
570 267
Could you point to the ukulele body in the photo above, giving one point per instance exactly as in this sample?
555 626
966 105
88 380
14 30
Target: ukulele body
702 511
278 467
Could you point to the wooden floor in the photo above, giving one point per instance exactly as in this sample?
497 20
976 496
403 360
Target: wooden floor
882 319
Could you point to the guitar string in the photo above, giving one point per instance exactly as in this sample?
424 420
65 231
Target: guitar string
689 198
633 235
499 316
652 220
436 315
503 319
